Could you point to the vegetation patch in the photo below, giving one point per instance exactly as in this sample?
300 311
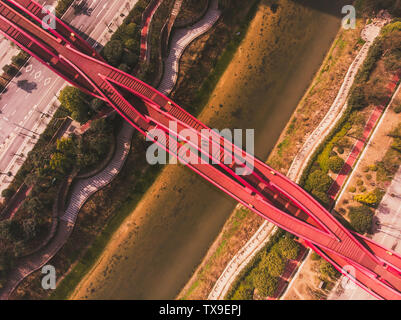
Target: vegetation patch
261 276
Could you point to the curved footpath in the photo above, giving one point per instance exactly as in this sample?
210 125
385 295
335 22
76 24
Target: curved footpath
87 187
262 235
180 41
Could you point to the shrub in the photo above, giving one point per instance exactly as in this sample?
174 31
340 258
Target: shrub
315 256
369 199
288 248
359 182
352 189
318 181
266 284
374 54
357 99
361 218
335 164
340 150
327 270
244 292
322 197
397 109
273 263
379 194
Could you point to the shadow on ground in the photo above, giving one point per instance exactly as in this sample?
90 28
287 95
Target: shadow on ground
332 7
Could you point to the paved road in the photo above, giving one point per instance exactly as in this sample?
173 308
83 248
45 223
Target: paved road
32 94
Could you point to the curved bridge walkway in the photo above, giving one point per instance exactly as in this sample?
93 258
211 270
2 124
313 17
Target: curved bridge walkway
85 188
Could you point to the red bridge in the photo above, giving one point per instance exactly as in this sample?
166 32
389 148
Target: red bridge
263 190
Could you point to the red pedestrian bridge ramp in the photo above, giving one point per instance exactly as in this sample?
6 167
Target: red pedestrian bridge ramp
234 171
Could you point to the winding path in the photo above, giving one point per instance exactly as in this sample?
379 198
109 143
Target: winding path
180 41
87 187
262 235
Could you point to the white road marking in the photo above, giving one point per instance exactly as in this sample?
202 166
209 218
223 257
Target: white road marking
104 7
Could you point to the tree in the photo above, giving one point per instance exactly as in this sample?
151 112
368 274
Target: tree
6 265
18 60
131 44
130 58
113 51
131 29
34 205
15 230
76 102
125 68
288 248
335 164
95 143
7 193
244 292
274 263
10 70
361 218
64 157
315 256
266 284
29 227
327 270
97 104
357 99
318 181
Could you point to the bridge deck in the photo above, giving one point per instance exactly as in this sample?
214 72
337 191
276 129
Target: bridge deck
264 190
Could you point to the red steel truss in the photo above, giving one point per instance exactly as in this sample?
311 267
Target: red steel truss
263 190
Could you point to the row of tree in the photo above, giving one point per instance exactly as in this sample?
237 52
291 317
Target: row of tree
264 277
